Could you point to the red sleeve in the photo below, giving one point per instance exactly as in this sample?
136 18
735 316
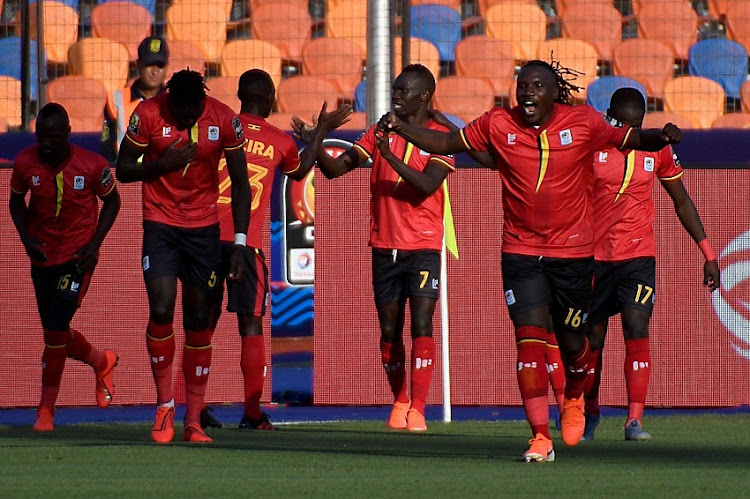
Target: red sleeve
232 133
366 143
17 183
604 135
290 162
476 135
139 126
669 165
103 182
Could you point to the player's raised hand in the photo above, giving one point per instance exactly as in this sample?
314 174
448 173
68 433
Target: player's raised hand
175 156
671 133
331 121
34 248
383 143
302 130
711 275
390 123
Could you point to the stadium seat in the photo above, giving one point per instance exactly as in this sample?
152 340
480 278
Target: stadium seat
522 24
337 60
348 20
122 21
238 56
10 62
488 58
285 24
360 97
598 24
224 88
672 22
439 25
60 23
464 96
150 5
101 59
3 122
420 52
657 119
184 54
255 4
284 120
575 55
599 93
648 61
564 5
10 100
637 5
453 4
455 120
200 24
221 6
357 121
738 22
700 99
723 61
84 99
745 95
732 120
304 95
486 5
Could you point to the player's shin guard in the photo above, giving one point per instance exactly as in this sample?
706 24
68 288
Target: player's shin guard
253 364
160 345
531 343
577 369
53 364
591 388
555 369
79 348
393 356
422 364
196 364
637 372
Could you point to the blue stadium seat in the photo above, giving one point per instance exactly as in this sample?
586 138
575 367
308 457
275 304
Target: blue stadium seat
70 3
360 97
438 24
10 61
722 61
149 4
455 120
600 92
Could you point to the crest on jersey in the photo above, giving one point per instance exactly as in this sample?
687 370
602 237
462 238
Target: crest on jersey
106 177
135 124
648 164
213 133
78 182
566 137
237 125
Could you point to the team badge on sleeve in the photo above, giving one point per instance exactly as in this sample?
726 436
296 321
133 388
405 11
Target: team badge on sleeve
135 124
106 177
237 125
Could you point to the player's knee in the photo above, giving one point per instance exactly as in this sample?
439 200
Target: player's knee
421 327
596 337
249 325
635 325
161 311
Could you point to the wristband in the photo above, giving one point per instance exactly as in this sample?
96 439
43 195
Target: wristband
240 238
707 250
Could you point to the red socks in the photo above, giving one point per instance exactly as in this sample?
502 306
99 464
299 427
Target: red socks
79 348
160 345
637 372
253 364
591 389
576 371
196 365
555 369
53 363
393 356
422 364
531 343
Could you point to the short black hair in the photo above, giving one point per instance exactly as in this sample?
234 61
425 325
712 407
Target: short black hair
563 78
628 97
255 83
425 75
187 86
53 110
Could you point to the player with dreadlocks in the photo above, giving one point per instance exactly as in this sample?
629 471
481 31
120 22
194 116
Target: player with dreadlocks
543 149
182 134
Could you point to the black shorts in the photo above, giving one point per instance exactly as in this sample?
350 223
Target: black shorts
193 255
59 291
397 275
249 295
620 285
563 284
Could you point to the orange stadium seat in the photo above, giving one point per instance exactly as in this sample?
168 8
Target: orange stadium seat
348 20
304 95
488 58
10 100
240 55
700 99
738 22
184 54
732 120
657 119
564 5
224 6
3 122
254 4
573 54
337 60
638 5
122 21
284 120
598 24
672 22
60 29
101 59
420 52
453 4
522 24
201 23
224 88
357 121
285 24
464 96
485 5
719 8
745 96
84 98
648 61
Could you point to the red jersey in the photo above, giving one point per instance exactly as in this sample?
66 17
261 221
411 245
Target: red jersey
266 148
185 197
401 217
623 203
546 175
63 208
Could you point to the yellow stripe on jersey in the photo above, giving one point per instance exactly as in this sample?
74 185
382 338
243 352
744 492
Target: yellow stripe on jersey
294 169
627 134
667 179
466 142
194 139
59 187
407 157
443 162
628 174
543 143
139 144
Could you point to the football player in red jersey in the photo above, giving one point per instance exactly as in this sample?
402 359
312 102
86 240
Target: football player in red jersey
406 236
62 230
182 134
266 149
543 148
625 251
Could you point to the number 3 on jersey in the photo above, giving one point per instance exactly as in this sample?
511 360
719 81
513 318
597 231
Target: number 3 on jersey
255 174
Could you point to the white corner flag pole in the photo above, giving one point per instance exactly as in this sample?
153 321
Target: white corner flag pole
447 417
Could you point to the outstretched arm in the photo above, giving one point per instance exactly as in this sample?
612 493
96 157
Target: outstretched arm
428 140
427 181
690 219
653 139
484 158
324 124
